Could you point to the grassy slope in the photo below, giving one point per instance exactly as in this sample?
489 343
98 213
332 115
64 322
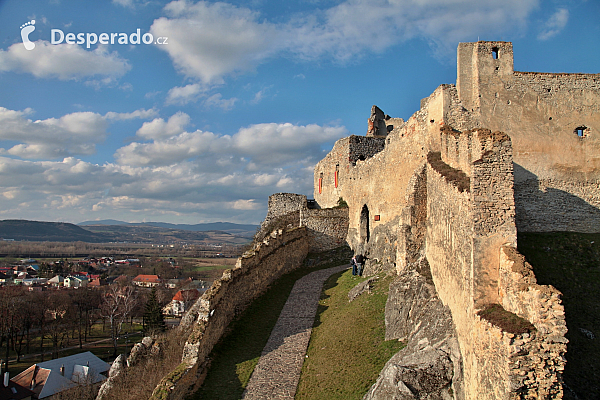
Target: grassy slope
234 357
571 263
347 349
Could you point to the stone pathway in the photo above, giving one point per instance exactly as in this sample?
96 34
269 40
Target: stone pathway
277 373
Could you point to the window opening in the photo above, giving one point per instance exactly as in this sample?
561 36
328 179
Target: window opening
321 183
495 53
581 131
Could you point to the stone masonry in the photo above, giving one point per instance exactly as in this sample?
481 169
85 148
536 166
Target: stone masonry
438 200
281 252
498 152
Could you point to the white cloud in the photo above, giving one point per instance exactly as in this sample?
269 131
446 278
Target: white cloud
124 3
64 62
210 40
184 94
244 205
256 146
272 144
260 95
168 151
191 175
217 100
159 129
75 133
555 24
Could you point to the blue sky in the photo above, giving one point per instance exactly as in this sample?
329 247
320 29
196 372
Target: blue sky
241 102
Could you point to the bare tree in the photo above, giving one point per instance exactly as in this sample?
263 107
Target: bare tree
85 302
9 297
59 315
118 303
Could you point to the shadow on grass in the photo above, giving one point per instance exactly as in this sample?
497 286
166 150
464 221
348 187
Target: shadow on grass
236 355
331 282
571 263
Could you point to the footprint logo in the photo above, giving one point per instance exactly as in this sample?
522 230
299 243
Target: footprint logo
26 29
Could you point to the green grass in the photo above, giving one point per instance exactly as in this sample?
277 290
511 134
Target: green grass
236 355
205 268
347 350
571 263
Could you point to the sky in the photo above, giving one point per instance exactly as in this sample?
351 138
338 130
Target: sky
192 112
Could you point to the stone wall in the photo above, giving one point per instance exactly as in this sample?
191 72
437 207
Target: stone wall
283 203
556 181
467 230
551 205
327 228
363 147
281 252
541 305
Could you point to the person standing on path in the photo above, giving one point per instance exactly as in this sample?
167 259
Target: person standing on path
353 263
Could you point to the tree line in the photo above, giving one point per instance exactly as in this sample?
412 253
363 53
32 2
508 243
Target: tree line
47 321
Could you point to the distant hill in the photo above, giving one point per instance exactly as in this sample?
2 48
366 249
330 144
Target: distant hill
103 222
246 230
36 231
118 231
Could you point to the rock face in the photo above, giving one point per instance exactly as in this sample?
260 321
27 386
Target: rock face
426 374
115 369
362 287
430 366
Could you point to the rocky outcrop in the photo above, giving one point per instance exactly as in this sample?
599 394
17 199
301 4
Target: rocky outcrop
362 287
115 370
430 366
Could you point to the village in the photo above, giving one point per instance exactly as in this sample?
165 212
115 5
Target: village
57 309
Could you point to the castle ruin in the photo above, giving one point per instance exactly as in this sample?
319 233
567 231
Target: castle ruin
448 189
438 200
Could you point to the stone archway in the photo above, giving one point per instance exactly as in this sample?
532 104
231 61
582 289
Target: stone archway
365 232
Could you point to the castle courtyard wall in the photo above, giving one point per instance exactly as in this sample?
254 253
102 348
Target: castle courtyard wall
557 172
379 182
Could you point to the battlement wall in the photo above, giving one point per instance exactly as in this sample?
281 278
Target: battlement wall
470 220
281 252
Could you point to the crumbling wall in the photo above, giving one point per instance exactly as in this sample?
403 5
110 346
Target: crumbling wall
281 252
379 181
471 218
541 305
413 222
327 228
363 147
281 204
557 170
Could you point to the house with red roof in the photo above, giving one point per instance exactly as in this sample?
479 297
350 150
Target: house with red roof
182 301
147 280
47 378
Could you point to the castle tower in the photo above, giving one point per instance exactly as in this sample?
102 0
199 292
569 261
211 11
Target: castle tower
477 64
